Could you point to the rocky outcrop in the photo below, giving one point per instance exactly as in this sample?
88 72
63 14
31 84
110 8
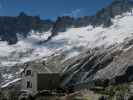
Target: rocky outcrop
23 24
101 67
102 17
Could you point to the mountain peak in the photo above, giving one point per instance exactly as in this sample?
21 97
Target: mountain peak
122 1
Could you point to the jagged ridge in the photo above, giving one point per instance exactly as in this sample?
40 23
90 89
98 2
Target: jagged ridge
23 24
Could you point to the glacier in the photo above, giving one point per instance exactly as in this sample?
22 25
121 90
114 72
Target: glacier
71 42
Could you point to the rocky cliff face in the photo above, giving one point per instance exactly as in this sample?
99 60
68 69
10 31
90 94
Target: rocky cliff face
101 67
23 24
10 27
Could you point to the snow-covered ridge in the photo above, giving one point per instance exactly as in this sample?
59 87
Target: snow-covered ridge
10 83
71 42
99 36
24 50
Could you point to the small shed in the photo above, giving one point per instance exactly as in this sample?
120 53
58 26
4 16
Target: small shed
48 81
38 77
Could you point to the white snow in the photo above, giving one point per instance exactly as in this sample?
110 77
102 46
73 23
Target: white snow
7 76
99 36
36 36
25 50
72 42
11 82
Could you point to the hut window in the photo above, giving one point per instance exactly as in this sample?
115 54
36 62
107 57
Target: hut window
29 84
28 72
44 63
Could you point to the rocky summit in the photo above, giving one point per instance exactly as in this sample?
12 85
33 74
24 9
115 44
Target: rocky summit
23 23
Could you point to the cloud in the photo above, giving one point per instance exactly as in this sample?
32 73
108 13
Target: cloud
74 13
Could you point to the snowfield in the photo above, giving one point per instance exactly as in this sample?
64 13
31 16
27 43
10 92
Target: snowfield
72 42
10 83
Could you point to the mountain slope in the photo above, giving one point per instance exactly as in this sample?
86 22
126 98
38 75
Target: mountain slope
22 24
82 52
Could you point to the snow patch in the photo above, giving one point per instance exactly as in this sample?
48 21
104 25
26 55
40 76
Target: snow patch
84 37
71 42
11 82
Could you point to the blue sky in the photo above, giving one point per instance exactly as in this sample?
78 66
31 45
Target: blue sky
50 9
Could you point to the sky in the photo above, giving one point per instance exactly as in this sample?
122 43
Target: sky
51 9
